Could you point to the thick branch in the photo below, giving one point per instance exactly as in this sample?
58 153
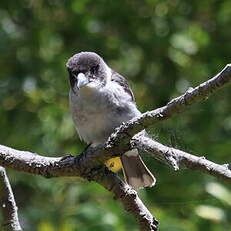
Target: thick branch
129 199
172 155
7 204
72 166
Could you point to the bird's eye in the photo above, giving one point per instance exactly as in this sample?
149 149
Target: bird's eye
95 69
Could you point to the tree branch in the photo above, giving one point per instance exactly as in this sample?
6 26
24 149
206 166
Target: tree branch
129 199
118 143
72 166
183 159
174 107
7 204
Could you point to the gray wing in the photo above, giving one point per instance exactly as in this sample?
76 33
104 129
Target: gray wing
122 82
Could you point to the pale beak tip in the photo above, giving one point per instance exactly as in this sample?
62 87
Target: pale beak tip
82 80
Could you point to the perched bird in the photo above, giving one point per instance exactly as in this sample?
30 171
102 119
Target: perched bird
100 100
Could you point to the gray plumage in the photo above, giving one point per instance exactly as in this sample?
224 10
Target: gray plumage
100 100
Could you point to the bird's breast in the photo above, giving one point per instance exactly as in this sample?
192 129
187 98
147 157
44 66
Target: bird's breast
96 114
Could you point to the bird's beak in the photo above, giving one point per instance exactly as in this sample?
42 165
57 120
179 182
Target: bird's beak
82 80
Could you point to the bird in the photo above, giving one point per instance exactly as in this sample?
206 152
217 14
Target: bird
101 100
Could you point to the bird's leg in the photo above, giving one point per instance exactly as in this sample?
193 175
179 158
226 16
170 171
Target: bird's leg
85 149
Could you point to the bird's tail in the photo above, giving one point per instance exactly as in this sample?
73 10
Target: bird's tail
135 171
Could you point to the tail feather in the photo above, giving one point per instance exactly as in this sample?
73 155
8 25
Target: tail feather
135 171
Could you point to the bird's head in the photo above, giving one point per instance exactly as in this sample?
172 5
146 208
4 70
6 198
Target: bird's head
87 69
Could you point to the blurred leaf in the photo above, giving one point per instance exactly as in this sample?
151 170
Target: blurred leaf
220 192
210 212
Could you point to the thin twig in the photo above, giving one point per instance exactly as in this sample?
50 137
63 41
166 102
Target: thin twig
8 204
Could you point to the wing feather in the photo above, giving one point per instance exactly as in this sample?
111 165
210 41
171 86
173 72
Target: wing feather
122 82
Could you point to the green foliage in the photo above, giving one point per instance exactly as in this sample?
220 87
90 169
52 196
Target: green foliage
163 47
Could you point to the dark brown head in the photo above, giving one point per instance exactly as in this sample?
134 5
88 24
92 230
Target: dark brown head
85 68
